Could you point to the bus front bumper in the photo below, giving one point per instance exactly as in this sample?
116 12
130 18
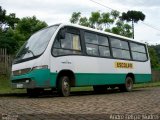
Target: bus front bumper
39 78
26 83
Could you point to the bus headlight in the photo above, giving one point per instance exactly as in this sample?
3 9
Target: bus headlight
40 67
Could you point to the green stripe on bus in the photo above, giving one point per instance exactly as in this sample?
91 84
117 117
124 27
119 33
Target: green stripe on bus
86 79
43 77
100 79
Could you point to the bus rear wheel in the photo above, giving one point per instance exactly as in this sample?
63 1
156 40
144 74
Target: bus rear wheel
128 86
63 87
100 88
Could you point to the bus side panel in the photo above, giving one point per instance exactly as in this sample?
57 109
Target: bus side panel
53 79
100 71
99 79
83 79
142 78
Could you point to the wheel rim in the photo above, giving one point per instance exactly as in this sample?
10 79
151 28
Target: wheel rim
129 84
66 87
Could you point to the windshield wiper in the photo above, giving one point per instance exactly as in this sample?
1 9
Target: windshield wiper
30 51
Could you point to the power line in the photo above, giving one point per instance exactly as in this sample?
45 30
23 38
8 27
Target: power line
102 5
119 11
151 26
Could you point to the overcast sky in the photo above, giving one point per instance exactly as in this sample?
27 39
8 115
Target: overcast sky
57 11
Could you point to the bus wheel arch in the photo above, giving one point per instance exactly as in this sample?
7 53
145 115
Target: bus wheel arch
132 76
128 85
65 80
68 73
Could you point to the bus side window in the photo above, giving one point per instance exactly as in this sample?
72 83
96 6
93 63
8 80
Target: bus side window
104 50
138 52
97 45
71 41
57 43
91 41
70 44
120 48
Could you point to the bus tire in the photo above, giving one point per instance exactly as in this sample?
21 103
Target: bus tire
100 88
128 86
63 87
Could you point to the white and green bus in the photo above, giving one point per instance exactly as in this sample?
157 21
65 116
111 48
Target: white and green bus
66 55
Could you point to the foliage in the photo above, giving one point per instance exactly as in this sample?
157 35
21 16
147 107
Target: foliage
95 19
132 16
153 57
7 41
2 17
122 29
26 27
109 22
75 17
84 21
157 49
7 21
14 31
5 86
156 54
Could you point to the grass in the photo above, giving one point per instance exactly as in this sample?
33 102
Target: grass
150 84
141 85
5 86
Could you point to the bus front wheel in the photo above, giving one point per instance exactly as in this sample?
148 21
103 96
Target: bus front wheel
128 86
63 86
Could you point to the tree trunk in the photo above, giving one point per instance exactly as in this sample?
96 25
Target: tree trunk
132 29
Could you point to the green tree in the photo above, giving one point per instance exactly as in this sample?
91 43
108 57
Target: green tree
153 57
2 17
12 20
134 17
75 17
84 22
122 29
157 49
26 27
7 41
7 21
106 19
115 14
14 31
95 19
109 22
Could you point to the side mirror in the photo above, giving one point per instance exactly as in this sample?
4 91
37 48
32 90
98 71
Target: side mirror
61 34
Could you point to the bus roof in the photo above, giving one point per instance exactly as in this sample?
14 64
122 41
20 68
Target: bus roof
99 31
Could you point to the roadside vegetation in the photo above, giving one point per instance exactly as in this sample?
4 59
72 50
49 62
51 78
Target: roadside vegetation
5 86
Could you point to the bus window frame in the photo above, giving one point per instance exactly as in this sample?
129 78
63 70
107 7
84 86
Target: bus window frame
68 29
83 45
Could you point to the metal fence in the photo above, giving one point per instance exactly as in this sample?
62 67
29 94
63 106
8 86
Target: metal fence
5 62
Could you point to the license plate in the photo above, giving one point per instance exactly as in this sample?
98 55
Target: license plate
19 85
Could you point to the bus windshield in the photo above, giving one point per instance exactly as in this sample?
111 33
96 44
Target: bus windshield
36 44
